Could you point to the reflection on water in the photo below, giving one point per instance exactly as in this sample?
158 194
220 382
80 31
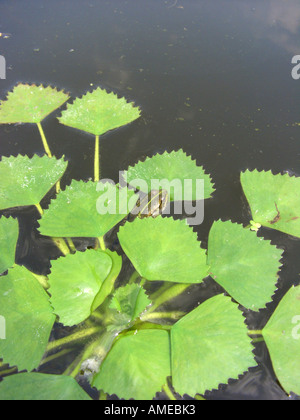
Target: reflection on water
275 20
211 77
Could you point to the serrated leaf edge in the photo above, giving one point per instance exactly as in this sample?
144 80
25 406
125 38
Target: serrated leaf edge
126 285
90 92
73 181
53 88
182 222
173 152
270 171
279 268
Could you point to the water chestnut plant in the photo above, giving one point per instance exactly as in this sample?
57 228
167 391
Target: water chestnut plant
125 330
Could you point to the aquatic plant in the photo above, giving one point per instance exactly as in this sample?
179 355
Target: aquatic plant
96 113
31 104
129 336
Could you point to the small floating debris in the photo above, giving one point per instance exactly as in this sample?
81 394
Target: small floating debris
4 36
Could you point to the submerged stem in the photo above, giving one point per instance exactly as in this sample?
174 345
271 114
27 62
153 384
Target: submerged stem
71 245
174 315
103 396
135 275
97 350
102 243
168 392
73 366
258 340
43 280
8 371
55 356
39 207
80 335
199 397
97 160
255 332
44 140
58 189
168 295
61 245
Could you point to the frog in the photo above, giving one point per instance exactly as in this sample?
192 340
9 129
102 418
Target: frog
148 205
151 205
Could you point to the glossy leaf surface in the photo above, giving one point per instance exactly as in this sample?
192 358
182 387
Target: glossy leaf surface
245 265
25 181
9 233
82 210
108 284
98 112
209 346
30 104
41 387
74 283
282 336
128 302
164 249
137 365
28 317
179 172
274 200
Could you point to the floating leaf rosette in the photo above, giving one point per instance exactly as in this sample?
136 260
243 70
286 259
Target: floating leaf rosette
209 346
164 249
25 181
274 200
282 336
140 362
41 387
245 265
98 112
175 172
128 302
87 209
134 347
31 104
28 314
9 232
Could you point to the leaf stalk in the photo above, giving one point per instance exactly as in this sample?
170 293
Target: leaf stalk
97 160
44 140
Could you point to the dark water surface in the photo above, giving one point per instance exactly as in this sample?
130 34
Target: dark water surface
212 77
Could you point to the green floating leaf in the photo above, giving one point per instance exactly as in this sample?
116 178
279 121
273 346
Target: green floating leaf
74 283
108 284
30 104
282 336
164 249
274 200
41 387
137 365
83 210
129 301
177 170
209 346
98 112
9 233
245 265
25 182
28 315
